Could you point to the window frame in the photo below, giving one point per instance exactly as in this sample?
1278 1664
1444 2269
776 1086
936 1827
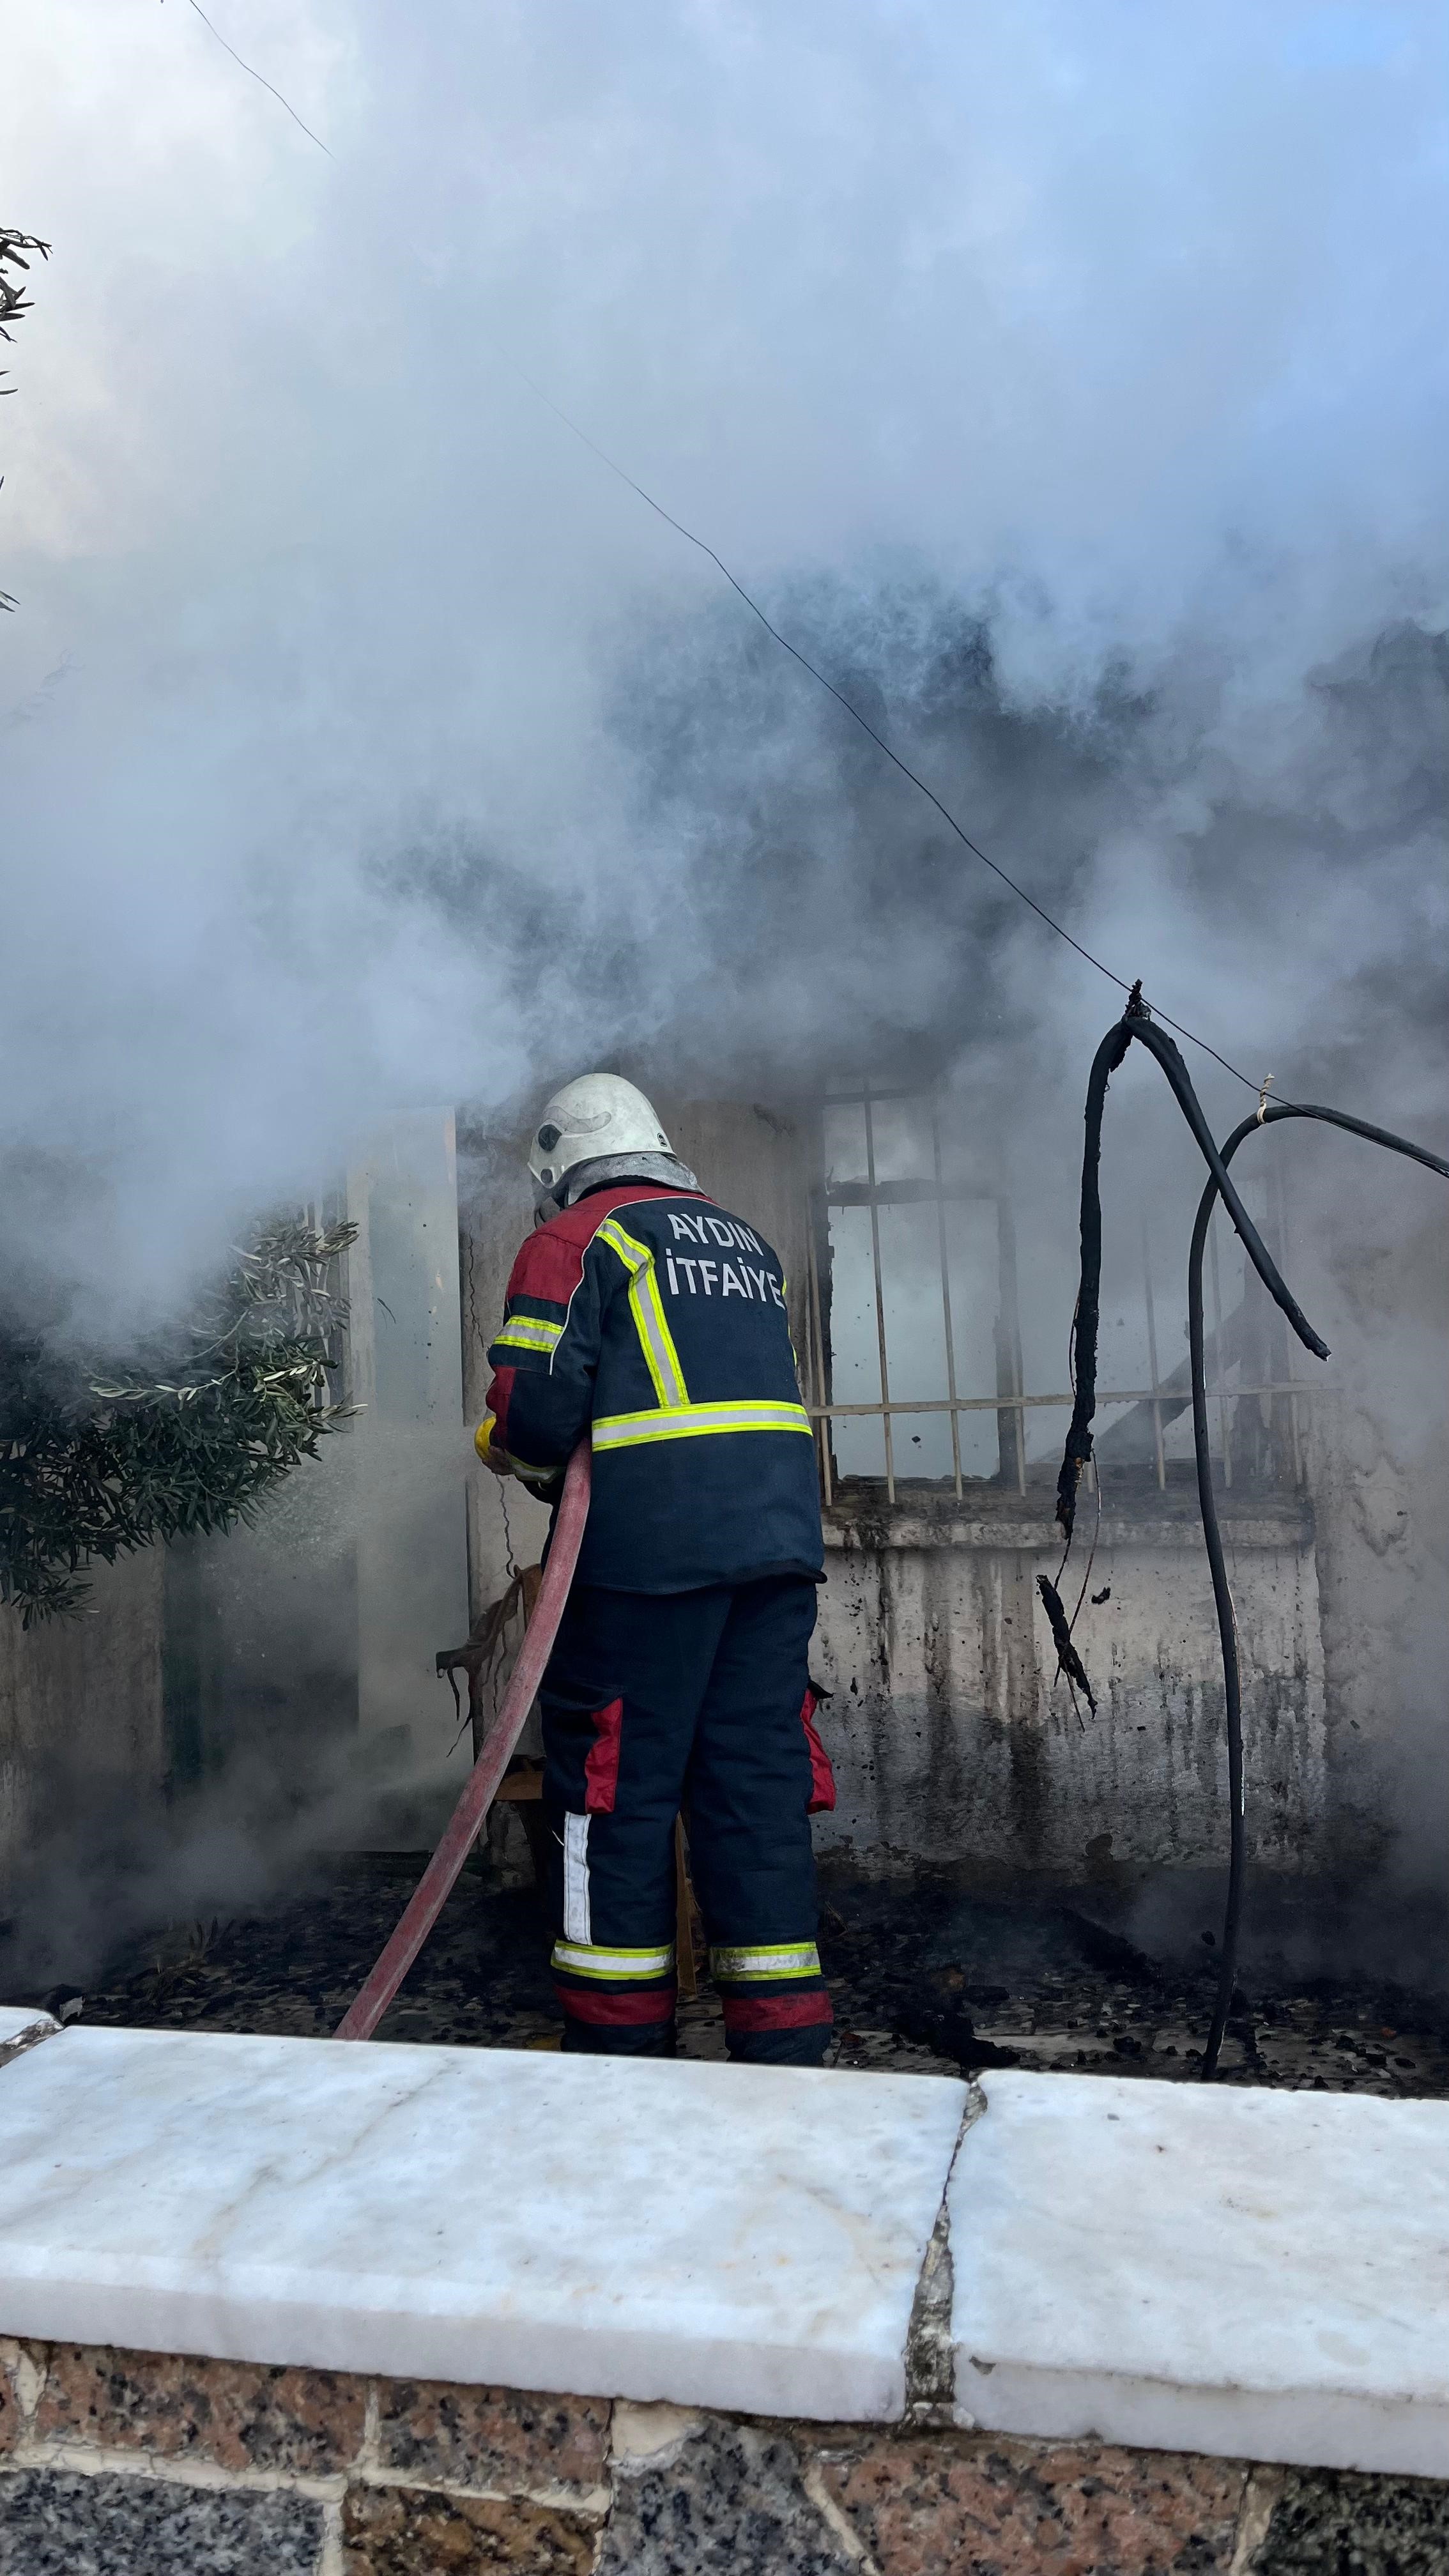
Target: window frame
1166 1397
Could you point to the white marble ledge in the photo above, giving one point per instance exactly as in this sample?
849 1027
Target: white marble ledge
21 2025
717 2235
1251 2274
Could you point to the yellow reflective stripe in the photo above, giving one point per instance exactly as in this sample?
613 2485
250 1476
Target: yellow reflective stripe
659 1352
775 1959
634 1254
594 1959
695 1421
530 1333
660 1356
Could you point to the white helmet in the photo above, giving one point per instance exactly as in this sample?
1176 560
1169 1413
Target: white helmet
600 1114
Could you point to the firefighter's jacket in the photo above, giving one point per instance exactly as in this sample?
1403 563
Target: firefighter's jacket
653 1319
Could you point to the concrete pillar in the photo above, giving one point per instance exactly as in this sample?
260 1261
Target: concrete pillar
409 1445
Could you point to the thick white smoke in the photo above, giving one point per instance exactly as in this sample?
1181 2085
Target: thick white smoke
1070 383
1122 330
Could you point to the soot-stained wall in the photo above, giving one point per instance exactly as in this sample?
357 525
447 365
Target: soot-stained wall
1379 1470
952 1740
955 1743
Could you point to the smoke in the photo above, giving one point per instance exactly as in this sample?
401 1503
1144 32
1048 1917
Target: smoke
370 744
1069 387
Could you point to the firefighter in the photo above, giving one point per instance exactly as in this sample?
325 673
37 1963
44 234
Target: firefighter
643 1313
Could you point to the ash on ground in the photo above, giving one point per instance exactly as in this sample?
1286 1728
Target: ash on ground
927 1976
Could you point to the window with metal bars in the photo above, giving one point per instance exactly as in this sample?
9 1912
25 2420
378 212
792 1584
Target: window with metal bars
934 1351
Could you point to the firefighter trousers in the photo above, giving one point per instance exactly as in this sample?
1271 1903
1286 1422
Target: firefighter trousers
695 1703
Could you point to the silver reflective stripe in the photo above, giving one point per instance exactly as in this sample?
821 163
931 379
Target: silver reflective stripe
773 1959
529 1333
576 1878
697 1421
596 1959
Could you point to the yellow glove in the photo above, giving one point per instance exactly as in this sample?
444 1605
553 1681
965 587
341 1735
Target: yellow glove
497 1459
536 1480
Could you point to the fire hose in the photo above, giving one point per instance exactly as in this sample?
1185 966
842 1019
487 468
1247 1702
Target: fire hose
1136 1023
481 1786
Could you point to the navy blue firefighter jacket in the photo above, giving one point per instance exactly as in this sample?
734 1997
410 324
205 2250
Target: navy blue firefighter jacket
653 1319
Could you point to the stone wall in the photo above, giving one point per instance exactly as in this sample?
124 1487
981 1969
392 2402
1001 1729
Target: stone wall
145 2463
1067 2322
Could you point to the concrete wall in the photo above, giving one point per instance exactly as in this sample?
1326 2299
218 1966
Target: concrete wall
262 1633
954 1742
300 1651
506 1527
408 1451
81 1718
1378 1463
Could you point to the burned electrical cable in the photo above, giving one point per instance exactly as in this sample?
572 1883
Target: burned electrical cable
1069 1661
1136 1023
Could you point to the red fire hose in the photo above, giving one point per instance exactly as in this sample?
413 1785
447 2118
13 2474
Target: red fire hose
481 1786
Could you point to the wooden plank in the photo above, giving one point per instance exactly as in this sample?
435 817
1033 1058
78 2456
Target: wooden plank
521 1784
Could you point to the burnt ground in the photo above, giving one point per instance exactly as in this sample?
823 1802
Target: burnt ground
926 1976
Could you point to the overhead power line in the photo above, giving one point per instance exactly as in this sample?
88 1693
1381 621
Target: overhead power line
253 74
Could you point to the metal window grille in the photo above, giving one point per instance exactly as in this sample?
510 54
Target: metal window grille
1258 1431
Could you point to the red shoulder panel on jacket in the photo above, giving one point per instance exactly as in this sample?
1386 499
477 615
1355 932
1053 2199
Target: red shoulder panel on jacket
551 1262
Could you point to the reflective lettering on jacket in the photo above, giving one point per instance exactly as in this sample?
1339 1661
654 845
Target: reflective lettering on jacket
657 1321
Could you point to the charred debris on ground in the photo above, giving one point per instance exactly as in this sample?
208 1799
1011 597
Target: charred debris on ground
926 1976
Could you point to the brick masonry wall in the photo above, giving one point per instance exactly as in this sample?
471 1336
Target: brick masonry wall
151 2464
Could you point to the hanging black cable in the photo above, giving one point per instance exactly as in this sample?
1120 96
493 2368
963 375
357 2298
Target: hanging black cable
1135 1023
1268 1115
